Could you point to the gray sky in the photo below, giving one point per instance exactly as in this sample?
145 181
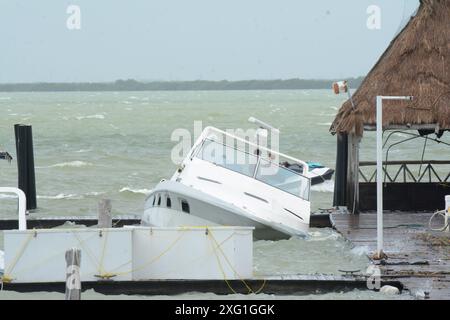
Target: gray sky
193 39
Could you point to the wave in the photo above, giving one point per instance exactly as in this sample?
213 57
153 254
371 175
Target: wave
94 116
70 164
361 250
83 150
57 197
140 191
7 196
62 196
324 235
327 186
324 124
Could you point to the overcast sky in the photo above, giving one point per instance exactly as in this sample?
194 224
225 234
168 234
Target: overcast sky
193 39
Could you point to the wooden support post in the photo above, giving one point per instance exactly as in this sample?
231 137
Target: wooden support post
25 163
340 181
104 214
73 279
447 213
353 173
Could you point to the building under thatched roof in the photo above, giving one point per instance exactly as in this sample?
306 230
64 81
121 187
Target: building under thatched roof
417 63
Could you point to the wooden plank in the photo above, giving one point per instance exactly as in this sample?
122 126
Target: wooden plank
281 285
46 222
419 258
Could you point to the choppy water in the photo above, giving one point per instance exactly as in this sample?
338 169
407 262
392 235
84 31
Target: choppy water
117 145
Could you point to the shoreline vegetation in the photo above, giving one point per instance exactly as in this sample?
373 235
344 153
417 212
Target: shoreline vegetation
198 85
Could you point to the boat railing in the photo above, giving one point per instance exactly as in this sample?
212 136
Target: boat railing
255 167
209 131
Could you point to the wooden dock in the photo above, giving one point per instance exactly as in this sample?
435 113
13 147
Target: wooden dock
279 285
417 257
319 220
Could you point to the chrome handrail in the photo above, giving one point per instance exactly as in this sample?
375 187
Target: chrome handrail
22 205
208 130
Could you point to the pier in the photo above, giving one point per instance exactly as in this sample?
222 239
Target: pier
278 285
416 257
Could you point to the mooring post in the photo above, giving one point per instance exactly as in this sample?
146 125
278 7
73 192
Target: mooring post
340 184
73 279
447 213
352 188
104 214
25 163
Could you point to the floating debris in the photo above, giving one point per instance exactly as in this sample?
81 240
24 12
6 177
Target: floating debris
434 240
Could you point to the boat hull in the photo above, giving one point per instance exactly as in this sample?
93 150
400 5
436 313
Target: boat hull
205 210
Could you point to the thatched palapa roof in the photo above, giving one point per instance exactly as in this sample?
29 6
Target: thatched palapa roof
417 63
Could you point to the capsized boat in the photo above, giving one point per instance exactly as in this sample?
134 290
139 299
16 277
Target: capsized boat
230 181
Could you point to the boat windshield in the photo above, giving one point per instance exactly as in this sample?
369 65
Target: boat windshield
256 167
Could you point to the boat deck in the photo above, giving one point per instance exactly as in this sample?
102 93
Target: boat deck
417 257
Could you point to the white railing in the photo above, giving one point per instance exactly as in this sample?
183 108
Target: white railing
22 205
209 130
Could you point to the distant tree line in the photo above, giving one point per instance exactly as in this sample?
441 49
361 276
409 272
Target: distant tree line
133 85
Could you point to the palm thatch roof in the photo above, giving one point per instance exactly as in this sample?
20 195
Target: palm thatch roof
417 63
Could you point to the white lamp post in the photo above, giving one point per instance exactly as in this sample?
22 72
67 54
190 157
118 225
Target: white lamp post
380 100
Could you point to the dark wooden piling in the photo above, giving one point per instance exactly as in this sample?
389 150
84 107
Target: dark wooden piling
352 188
340 180
25 163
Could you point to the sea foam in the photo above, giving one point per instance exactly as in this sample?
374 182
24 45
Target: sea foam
58 196
327 186
141 191
94 116
73 164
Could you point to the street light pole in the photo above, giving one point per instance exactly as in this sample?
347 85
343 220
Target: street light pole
380 99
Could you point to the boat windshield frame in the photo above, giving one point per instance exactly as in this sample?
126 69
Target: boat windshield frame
306 195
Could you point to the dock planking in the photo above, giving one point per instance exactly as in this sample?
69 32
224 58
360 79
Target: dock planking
34 221
273 285
417 257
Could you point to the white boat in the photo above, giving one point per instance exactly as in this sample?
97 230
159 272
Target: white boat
211 189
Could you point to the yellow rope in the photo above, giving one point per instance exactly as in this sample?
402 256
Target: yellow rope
32 266
234 270
6 278
197 259
102 258
145 265
88 251
221 269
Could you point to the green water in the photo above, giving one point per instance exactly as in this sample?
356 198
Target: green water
117 145
90 146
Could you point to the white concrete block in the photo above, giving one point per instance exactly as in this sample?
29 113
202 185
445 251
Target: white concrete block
192 253
39 255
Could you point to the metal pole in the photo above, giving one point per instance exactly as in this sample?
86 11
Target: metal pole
379 176
22 208
379 107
